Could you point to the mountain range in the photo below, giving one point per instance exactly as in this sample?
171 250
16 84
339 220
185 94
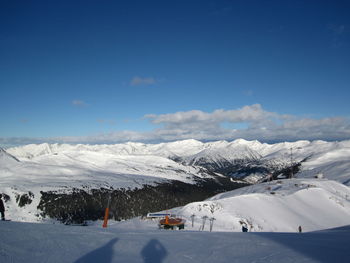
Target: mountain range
37 179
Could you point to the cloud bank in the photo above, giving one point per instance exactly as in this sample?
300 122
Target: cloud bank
250 122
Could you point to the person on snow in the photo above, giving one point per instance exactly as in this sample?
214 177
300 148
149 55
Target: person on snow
2 208
244 228
300 229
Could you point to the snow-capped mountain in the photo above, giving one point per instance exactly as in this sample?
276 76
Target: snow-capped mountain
223 153
240 157
38 176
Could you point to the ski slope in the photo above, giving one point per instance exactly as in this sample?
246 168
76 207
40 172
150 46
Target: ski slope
36 243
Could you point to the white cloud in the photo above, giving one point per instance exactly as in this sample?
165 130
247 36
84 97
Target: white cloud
258 123
79 103
138 81
196 119
246 113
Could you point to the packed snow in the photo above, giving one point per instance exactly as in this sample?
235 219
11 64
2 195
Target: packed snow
140 242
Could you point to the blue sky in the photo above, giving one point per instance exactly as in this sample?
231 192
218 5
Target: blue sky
114 71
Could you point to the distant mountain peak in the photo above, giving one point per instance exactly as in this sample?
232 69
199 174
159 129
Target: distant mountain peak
6 157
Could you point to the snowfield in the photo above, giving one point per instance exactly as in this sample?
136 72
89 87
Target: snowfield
143 242
277 206
64 170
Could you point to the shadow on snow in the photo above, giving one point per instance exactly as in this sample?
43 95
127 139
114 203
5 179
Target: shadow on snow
103 254
321 246
152 252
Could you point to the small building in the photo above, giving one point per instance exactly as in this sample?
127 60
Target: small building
158 215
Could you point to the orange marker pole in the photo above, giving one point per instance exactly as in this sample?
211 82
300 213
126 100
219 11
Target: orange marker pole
105 220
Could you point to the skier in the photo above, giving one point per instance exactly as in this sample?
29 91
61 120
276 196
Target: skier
2 208
300 230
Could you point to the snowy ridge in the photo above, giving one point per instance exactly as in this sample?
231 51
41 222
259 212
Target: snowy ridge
278 206
7 159
227 153
179 148
65 164
330 158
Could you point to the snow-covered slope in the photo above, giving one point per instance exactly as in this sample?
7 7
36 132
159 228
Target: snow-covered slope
80 169
330 158
133 164
223 153
278 206
36 243
61 167
124 165
6 159
178 148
